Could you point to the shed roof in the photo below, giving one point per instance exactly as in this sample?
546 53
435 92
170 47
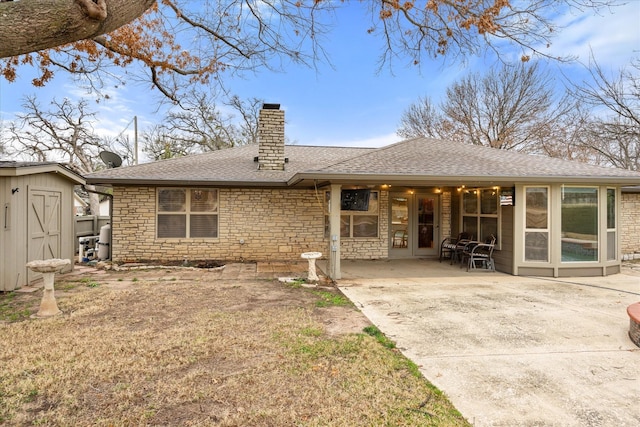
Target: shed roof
13 168
414 161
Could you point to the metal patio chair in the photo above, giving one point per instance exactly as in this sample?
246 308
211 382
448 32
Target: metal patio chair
480 255
449 245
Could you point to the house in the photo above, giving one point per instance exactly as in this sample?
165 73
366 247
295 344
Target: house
630 222
79 205
267 201
37 201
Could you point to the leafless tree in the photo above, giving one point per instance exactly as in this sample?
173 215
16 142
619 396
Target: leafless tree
511 108
179 43
614 131
201 126
64 133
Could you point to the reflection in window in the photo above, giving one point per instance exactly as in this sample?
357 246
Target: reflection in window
355 223
177 218
612 244
480 213
579 209
470 202
536 236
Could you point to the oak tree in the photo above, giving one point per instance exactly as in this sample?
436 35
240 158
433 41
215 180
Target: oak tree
200 125
613 133
512 107
62 133
182 42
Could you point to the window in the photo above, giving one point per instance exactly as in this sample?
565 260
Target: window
355 223
579 208
187 213
612 246
536 233
480 213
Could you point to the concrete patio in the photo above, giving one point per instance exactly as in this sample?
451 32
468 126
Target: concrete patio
510 351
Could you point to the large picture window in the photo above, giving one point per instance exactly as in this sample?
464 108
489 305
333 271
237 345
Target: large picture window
579 224
187 213
480 213
536 233
356 223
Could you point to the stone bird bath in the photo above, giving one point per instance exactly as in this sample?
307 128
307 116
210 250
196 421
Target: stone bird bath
48 268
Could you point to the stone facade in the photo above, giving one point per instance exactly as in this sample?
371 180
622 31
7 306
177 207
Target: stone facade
374 247
271 138
253 225
630 225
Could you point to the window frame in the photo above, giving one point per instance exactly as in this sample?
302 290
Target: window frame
596 208
188 213
612 244
539 230
347 218
478 214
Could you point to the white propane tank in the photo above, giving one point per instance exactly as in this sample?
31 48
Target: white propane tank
103 243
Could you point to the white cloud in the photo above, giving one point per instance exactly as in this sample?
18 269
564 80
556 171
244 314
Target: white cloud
612 34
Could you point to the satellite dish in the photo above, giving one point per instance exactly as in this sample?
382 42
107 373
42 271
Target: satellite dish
112 160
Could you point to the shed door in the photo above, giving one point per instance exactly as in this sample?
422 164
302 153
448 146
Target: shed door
44 225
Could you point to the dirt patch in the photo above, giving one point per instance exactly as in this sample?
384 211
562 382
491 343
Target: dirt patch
178 347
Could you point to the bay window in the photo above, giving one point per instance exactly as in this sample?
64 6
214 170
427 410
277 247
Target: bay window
579 212
536 233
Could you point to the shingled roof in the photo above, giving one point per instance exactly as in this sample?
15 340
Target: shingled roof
414 161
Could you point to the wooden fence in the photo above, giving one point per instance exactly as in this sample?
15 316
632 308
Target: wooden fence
89 225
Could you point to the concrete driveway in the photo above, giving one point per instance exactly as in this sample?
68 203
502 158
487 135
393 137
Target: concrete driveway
510 351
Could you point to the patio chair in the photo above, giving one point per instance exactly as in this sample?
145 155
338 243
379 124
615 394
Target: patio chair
480 256
400 239
449 245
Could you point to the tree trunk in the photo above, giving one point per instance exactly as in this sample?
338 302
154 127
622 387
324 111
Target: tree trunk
30 26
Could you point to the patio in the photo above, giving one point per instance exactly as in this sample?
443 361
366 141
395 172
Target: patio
510 350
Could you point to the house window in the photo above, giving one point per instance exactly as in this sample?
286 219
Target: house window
536 233
612 246
360 224
579 209
480 213
187 213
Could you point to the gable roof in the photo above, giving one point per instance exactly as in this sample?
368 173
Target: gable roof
411 162
12 168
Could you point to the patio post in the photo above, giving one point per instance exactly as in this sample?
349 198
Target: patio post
334 232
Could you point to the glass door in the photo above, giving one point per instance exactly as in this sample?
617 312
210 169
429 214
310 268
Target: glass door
414 225
399 226
426 226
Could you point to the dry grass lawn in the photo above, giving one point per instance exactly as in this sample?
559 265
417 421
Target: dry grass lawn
196 350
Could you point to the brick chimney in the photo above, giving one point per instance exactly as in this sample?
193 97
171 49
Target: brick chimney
271 138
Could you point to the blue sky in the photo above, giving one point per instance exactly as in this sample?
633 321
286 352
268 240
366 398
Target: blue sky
351 104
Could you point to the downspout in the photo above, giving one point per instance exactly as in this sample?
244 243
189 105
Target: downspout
110 196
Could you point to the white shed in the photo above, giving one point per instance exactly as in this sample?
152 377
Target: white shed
37 218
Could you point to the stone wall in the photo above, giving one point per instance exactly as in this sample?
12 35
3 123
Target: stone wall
271 139
630 225
253 224
370 248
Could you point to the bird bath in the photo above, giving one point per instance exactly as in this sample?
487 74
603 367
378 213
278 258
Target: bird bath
312 257
48 268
